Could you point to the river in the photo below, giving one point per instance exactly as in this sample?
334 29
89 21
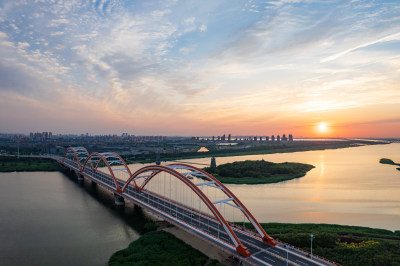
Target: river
347 186
48 219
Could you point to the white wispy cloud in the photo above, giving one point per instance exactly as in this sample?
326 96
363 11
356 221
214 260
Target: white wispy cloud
392 37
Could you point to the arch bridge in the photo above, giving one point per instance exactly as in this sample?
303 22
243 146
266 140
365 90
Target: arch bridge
188 197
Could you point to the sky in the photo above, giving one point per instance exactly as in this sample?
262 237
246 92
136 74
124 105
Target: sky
201 68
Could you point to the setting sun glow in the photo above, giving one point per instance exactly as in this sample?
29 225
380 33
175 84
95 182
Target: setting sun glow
322 127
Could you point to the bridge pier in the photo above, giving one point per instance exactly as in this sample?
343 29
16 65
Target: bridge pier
119 201
79 176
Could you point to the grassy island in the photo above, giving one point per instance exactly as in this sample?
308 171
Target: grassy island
159 248
258 172
27 164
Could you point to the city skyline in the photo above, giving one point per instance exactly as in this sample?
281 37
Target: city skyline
308 68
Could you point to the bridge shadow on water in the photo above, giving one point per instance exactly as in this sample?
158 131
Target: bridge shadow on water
131 214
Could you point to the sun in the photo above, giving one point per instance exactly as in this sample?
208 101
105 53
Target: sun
322 127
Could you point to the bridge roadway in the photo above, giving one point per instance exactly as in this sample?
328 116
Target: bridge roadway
202 224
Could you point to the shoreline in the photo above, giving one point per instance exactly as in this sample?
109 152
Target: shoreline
315 146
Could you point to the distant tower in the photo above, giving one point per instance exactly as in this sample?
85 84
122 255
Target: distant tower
272 138
158 159
290 138
266 138
229 138
278 138
213 138
213 164
284 138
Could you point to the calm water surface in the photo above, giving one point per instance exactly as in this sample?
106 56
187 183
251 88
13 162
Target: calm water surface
347 186
48 219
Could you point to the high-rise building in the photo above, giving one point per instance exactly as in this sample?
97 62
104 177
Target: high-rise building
290 137
272 138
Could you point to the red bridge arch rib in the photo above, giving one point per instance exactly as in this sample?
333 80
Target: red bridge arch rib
78 154
212 181
95 158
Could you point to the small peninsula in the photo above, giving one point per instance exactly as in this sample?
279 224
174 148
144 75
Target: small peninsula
258 172
389 161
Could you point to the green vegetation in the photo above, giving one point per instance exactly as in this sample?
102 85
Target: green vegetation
258 172
387 161
347 245
25 164
159 248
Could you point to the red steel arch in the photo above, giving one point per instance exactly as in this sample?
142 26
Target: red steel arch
76 152
265 237
121 161
104 159
156 169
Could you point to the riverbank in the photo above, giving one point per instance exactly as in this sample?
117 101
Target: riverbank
160 248
252 149
258 172
347 245
27 164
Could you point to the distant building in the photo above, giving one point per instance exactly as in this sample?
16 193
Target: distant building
272 138
290 138
266 138
284 138
229 137
278 138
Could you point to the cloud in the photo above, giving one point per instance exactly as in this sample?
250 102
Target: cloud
221 62
392 37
